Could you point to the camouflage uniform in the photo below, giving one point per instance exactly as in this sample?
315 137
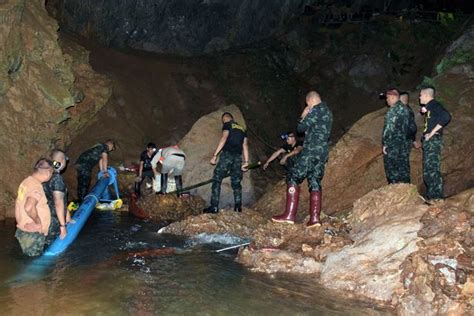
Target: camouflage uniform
230 162
84 165
394 138
312 159
56 183
411 137
32 244
436 114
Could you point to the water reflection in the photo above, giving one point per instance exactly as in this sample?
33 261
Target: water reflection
102 273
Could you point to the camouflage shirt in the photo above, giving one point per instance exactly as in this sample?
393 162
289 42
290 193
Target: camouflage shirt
92 155
395 128
317 128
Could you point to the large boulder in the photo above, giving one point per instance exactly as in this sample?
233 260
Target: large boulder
199 145
385 223
438 278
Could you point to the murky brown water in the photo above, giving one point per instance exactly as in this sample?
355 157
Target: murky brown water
97 276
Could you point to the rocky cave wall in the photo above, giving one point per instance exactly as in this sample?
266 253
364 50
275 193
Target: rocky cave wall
43 92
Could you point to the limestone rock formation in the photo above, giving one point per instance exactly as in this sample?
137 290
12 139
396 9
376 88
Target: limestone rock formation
199 145
438 278
385 223
177 27
38 92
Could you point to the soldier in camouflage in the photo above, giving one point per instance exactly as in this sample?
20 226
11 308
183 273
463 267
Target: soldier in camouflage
411 136
231 146
394 138
87 161
316 122
436 118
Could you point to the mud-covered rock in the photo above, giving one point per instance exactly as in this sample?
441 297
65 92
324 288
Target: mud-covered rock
225 222
169 207
275 260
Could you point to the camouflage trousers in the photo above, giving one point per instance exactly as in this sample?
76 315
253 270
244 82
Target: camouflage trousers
310 167
397 163
228 163
432 167
406 161
53 231
32 244
83 180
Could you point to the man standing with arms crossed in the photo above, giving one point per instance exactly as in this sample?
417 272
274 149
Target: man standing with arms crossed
436 118
32 213
232 145
316 123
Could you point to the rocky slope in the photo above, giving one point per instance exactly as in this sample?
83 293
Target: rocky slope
43 92
392 250
355 163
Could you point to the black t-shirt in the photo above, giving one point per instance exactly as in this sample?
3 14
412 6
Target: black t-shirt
289 148
236 137
146 160
57 184
436 114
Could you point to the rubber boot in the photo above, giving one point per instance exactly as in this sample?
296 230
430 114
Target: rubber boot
179 185
237 208
314 209
211 209
137 188
164 183
292 200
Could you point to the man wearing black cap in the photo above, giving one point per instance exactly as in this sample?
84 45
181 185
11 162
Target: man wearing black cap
436 118
145 169
289 150
395 131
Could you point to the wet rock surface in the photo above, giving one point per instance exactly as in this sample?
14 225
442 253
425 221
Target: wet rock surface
170 208
225 222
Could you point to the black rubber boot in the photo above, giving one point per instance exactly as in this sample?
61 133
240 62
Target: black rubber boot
179 185
164 183
211 209
238 208
137 188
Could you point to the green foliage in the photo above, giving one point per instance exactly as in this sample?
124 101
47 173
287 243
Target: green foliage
427 81
458 58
